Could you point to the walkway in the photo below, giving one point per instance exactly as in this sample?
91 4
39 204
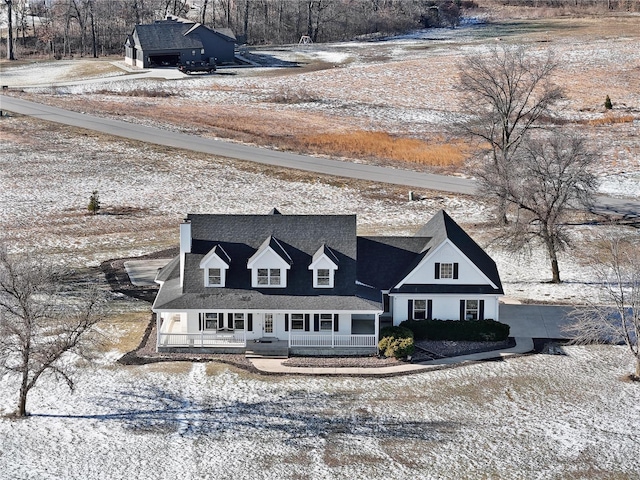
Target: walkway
270 365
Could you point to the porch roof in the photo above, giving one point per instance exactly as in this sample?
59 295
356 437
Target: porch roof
170 297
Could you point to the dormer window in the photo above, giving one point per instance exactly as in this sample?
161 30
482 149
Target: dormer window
269 276
324 266
215 277
215 265
323 277
269 265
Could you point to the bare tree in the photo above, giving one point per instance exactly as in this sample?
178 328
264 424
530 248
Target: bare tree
616 316
37 331
549 177
508 90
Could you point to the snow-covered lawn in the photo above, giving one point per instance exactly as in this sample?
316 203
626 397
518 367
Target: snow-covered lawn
544 417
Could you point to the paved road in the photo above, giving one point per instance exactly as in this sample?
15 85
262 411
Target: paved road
418 180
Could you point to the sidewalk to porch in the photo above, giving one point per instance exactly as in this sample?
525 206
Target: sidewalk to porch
271 365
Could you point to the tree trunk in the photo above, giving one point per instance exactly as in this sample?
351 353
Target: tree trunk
94 44
553 256
203 18
637 367
24 384
10 55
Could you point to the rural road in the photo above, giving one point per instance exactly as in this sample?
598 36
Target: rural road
418 180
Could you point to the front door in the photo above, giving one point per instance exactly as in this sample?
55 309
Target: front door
267 326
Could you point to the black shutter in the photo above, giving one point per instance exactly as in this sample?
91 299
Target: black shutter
437 272
429 309
286 322
316 322
410 310
220 320
386 304
250 322
200 321
336 326
462 309
455 271
306 322
481 310
230 321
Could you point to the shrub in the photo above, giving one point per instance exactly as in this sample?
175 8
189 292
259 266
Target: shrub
94 202
396 342
468 330
607 103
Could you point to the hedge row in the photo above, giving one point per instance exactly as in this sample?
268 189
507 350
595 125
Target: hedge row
396 342
469 330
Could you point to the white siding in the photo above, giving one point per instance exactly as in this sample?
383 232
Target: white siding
468 273
445 307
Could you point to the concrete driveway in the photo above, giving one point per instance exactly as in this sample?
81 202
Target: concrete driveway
536 321
142 273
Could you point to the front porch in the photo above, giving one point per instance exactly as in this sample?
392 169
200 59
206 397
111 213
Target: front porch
304 333
236 342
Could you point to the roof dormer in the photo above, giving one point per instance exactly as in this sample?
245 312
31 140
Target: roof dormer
324 266
215 265
269 265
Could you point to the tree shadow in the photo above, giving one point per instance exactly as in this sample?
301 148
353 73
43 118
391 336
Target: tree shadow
297 415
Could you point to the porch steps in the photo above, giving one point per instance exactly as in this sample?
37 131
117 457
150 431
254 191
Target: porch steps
267 349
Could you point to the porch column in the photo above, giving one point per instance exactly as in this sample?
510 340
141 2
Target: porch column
376 329
158 326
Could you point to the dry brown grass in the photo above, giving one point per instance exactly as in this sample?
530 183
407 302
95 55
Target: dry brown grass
124 331
383 145
610 120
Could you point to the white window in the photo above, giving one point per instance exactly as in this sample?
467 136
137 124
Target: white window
212 322
269 276
323 278
297 321
238 321
446 270
471 310
419 309
214 276
326 321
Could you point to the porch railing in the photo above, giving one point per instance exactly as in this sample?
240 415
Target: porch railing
332 341
226 339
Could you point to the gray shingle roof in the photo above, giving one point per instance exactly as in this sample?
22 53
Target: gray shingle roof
442 226
299 236
167 35
381 262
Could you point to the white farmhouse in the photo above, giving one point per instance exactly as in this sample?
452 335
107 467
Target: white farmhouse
309 284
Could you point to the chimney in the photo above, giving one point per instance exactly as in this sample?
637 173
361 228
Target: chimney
185 245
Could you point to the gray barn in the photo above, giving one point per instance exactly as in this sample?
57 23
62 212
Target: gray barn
177 40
